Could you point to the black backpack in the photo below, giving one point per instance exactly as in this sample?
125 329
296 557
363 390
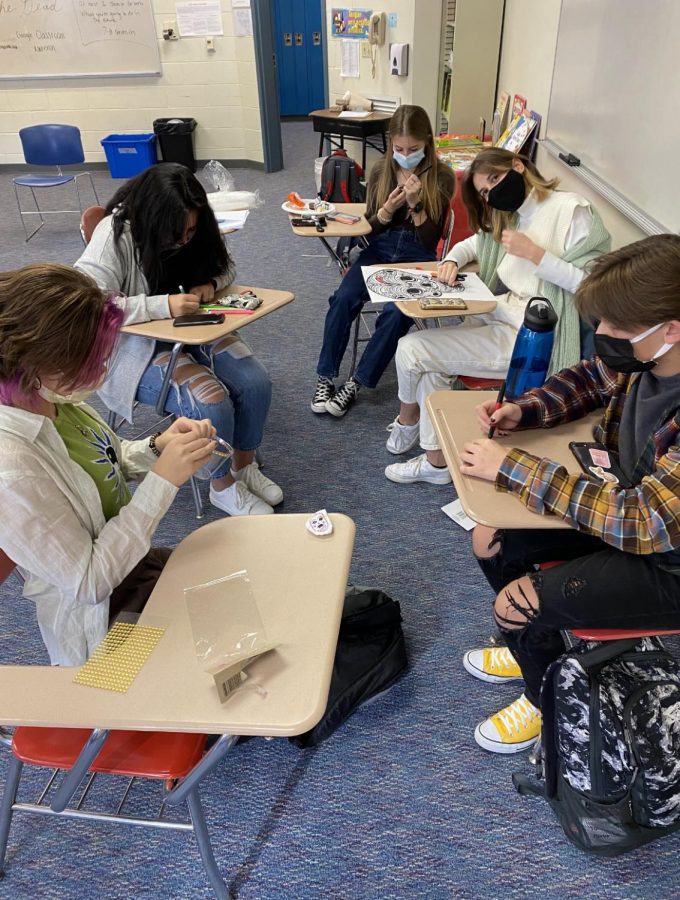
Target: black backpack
611 745
369 658
340 179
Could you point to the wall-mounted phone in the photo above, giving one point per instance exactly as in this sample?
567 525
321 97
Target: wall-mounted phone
376 29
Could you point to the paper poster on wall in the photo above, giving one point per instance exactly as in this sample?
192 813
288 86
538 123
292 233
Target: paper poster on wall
199 17
350 23
243 22
349 59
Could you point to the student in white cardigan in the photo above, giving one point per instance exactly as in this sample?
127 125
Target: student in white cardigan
530 240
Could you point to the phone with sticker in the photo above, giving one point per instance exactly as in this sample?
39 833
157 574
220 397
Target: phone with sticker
599 463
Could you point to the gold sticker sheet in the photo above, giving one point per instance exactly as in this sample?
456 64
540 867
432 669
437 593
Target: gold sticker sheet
119 658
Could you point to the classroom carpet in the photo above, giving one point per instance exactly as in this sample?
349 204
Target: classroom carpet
400 802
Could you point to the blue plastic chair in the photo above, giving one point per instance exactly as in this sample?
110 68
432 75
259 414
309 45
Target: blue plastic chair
55 146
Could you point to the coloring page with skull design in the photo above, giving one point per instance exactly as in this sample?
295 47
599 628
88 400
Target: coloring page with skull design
385 283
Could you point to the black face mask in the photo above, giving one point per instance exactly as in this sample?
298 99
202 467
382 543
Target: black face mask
617 354
508 195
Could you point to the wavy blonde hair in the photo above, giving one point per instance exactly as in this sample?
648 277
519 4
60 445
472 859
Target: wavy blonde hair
483 217
414 122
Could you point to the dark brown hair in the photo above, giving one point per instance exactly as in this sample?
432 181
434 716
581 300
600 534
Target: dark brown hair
413 121
54 321
638 285
494 159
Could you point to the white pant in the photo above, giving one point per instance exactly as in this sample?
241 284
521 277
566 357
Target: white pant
429 360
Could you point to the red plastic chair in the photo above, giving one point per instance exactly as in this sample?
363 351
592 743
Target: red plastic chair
176 759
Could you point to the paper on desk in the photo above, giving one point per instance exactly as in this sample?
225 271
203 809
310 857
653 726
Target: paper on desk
385 284
349 59
349 114
232 219
454 510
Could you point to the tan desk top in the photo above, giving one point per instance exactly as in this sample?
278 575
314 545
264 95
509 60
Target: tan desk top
338 229
299 583
335 114
456 424
164 330
411 308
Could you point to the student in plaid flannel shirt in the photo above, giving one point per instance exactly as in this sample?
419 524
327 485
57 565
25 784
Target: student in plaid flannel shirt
620 561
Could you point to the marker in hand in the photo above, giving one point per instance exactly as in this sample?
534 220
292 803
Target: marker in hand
499 403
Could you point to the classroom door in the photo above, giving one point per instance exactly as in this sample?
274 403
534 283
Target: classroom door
299 56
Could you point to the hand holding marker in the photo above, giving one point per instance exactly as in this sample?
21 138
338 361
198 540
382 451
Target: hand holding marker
499 403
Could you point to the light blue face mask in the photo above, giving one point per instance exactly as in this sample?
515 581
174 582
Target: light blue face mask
410 161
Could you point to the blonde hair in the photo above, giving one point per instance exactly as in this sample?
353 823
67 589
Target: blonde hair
483 217
414 122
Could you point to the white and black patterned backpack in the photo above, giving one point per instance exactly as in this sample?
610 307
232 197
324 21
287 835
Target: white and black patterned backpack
611 745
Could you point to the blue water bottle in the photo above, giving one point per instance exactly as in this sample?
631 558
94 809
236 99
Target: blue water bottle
533 347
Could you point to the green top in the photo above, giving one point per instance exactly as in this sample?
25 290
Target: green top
89 443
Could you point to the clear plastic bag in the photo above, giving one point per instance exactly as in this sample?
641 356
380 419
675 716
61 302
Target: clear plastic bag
227 629
222 452
228 201
217 177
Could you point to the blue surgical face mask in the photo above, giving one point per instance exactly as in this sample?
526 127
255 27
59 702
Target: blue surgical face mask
410 161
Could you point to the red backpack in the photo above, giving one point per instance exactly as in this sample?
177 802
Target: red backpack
340 179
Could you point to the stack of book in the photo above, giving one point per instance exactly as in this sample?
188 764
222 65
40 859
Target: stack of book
458 150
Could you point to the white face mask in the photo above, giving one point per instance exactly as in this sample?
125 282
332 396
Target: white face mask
74 397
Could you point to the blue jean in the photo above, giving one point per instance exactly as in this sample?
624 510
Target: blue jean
345 304
239 418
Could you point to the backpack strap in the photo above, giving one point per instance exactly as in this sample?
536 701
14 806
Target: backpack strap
594 659
528 787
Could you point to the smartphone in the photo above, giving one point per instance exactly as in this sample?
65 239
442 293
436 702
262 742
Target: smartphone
198 319
303 223
599 463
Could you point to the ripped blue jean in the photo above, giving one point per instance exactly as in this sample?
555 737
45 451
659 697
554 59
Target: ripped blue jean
233 390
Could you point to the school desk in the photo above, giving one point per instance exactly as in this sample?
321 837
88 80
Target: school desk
331 124
164 330
421 317
298 582
334 229
454 419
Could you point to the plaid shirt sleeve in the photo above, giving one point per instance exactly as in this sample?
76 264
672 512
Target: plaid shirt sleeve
568 395
641 520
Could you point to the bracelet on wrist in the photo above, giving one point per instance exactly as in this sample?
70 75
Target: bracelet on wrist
384 217
152 443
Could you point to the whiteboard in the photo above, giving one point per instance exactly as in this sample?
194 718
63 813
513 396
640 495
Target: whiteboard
615 103
73 38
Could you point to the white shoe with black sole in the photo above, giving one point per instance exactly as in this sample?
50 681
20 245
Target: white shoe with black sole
325 389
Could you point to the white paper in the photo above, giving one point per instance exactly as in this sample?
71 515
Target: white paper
454 510
348 114
233 220
243 22
349 58
412 284
242 3
198 17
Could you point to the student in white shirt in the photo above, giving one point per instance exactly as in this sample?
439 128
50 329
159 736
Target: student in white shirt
79 539
530 240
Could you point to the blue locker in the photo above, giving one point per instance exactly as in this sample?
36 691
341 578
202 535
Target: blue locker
299 55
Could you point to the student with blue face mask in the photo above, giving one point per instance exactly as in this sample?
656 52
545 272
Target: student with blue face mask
409 195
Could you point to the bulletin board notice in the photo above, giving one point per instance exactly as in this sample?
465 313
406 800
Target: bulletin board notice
350 23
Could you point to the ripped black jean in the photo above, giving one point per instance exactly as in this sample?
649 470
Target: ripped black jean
595 587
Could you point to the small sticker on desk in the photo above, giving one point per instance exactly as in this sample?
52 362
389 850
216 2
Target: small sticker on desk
455 511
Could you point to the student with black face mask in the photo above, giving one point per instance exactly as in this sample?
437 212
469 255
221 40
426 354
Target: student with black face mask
620 558
530 240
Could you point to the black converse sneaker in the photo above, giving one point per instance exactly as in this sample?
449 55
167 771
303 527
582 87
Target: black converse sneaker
343 398
323 393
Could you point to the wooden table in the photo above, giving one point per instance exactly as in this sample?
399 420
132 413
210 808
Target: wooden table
298 582
456 424
334 229
329 124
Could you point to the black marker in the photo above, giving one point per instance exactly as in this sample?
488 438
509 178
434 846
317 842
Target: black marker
570 159
499 403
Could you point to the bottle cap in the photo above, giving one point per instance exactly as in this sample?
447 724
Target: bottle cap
539 315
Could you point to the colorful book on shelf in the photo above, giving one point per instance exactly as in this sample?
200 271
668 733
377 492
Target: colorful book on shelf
529 147
517 133
457 141
519 104
458 159
502 107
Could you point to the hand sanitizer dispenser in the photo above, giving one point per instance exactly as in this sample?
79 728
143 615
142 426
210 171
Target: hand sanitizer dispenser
399 59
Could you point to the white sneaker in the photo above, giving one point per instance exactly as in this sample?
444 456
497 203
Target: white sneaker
402 437
511 730
494 664
417 469
259 484
236 500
